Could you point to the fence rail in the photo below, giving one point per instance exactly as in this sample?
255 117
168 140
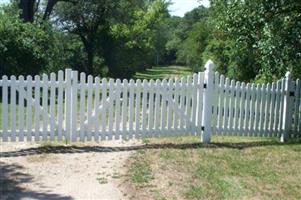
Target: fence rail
72 106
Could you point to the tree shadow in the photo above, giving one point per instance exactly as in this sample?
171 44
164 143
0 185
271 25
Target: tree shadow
86 149
11 178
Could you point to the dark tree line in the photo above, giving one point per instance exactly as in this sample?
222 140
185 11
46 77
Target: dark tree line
248 40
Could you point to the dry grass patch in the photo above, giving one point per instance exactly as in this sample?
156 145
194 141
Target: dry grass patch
230 168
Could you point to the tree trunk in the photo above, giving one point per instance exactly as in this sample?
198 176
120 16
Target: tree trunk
27 10
90 59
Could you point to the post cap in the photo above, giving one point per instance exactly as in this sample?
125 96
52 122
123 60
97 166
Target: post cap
209 65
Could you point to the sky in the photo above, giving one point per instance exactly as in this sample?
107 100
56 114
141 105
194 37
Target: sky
178 7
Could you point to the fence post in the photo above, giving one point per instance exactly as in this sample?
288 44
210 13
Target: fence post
207 101
287 107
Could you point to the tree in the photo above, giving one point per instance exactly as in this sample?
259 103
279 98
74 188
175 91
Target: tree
268 31
89 20
27 49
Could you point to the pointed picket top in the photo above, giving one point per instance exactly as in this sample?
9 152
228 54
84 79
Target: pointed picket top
209 66
288 74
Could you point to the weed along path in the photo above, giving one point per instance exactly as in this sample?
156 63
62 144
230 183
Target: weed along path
57 171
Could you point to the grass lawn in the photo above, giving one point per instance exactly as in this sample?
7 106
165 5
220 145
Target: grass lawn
163 72
230 168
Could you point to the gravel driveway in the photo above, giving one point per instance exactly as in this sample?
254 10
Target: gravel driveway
92 171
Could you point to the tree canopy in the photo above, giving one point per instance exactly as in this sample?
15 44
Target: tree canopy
249 40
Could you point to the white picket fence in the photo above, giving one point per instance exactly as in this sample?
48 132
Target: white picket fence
72 107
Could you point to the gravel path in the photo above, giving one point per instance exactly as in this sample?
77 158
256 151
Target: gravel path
62 172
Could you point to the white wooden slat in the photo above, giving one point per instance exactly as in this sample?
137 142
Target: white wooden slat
200 101
164 106
104 95
297 107
157 106
247 110
52 106
257 113
37 107
137 104
187 104
21 109
124 108
216 92
13 108
226 106
45 107
277 107
182 102
169 109
68 105
231 106
237 103
242 107
267 109
194 102
96 110
176 97
144 106
60 108
262 109
131 107
4 113
29 105
89 108
82 105
74 134
272 107
111 107
117 114
282 93
252 110
151 107
221 104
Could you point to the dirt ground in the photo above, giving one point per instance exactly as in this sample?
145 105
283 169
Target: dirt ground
93 171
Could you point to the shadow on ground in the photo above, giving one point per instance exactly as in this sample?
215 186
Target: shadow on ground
85 149
11 178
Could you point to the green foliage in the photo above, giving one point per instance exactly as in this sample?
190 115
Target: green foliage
266 32
26 48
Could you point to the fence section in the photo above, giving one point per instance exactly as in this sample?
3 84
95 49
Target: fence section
79 107
74 107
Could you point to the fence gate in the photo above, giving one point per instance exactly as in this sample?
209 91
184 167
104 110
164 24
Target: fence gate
75 107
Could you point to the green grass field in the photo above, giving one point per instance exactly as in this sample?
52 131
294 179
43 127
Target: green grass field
230 168
163 72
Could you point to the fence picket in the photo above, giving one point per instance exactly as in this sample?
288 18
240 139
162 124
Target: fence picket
21 109
124 108
247 110
5 115
37 108
52 106
117 114
110 112
82 105
29 105
60 109
89 108
96 109
144 106
151 107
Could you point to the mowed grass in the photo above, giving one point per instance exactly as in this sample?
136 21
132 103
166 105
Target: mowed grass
163 72
229 168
